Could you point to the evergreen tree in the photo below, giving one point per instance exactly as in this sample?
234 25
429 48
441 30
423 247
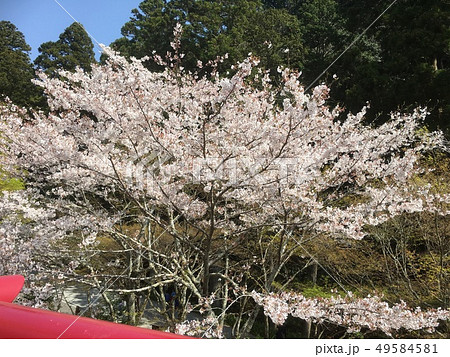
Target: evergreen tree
326 34
73 49
211 29
16 70
401 62
416 59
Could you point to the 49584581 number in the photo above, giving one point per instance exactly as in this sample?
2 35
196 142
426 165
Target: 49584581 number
406 348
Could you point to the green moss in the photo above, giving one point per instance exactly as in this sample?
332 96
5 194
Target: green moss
310 290
11 184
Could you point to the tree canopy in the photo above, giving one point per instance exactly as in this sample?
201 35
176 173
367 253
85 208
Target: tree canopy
401 62
214 28
74 48
16 70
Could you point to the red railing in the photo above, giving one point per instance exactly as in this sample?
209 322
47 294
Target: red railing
18 321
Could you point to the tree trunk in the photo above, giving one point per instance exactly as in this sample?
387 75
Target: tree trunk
305 330
206 268
131 308
314 269
249 323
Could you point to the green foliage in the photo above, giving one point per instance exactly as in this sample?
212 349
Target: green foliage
211 29
324 33
8 183
73 49
16 71
413 66
11 184
401 62
415 59
310 290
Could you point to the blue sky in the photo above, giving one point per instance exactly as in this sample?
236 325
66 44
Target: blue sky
43 20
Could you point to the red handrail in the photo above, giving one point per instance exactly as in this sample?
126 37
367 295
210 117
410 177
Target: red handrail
18 321
10 287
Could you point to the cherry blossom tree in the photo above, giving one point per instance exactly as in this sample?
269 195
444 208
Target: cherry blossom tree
156 184
22 248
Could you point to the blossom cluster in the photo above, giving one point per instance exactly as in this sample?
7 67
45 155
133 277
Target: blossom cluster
354 313
206 328
151 133
22 247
